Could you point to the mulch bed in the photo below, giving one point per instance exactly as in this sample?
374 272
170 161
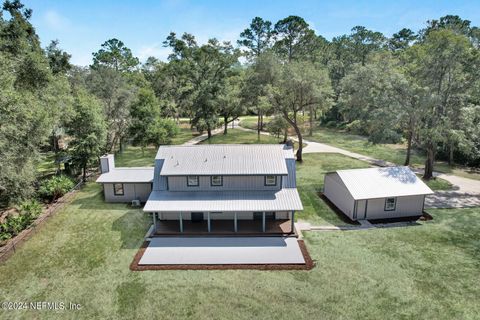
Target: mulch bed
424 217
308 265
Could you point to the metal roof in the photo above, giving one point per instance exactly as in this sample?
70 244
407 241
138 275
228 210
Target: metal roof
127 175
231 159
382 182
225 201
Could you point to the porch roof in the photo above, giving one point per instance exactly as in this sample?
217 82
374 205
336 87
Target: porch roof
127 175
226 201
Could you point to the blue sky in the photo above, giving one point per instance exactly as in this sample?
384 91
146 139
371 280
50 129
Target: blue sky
82 26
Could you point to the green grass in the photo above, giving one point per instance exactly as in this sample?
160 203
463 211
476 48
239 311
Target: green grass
250 122
310 175
82 255
240 136
184 134
438 184
46 165
390 152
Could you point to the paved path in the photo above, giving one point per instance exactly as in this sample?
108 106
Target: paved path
466 191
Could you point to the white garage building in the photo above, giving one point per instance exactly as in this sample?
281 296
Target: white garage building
376 193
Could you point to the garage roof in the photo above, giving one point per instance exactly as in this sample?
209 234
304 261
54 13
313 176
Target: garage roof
253 159
226 201
127 175
382 182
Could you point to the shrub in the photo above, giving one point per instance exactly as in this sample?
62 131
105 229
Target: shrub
277 126
13 224
55 187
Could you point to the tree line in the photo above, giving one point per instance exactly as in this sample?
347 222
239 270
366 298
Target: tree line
419 87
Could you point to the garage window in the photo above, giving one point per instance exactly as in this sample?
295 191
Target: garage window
390 204
118 189
192 181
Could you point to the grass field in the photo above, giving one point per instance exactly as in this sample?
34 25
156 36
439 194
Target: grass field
240 136
82 255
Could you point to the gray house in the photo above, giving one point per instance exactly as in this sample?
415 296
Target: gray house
376 193
124 184
212 188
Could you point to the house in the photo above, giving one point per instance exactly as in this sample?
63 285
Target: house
124 184
213 188
376 193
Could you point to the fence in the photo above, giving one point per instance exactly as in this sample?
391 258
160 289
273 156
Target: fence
12 245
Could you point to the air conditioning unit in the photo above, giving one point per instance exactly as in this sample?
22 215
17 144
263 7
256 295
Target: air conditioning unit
135 203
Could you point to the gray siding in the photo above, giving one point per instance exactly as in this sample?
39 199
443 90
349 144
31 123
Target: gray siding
290 181
132 191
159 182
405 207
336 192
229 183
219 215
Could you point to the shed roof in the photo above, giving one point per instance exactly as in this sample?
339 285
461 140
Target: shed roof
127 175
382 182
232 159
225 201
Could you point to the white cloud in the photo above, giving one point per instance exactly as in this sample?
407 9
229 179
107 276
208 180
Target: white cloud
156 50
55 21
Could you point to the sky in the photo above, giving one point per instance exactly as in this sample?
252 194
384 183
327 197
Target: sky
82 26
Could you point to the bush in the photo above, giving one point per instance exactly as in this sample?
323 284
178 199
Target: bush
277 126
14 224
55 187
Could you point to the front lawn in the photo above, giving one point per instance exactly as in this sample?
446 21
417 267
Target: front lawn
82 255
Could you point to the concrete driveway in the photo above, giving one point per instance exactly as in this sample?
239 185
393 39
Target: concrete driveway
222 250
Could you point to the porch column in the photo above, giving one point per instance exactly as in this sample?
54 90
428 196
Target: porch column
208 221
235 226
293 222
181 222
154 215
263 221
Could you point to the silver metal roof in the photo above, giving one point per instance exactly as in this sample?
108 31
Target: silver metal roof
127 175
231 159
225 201
382 182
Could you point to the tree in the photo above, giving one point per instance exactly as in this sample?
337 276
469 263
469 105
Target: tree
364 42
202 71
161 131
87 130
292 37
402 39
257 38
145 110
442 65
299 86
230 105
58 60
114 54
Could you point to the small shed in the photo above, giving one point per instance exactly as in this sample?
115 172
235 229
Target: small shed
376 193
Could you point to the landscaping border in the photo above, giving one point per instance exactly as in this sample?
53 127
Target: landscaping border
14 243
308 265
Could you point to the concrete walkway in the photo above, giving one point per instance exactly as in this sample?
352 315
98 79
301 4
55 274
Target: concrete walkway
466 193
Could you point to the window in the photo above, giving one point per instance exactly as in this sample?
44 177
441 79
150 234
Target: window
216 181
118 189
192 181
270 180
390 204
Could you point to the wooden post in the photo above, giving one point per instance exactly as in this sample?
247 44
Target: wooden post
208 221
263 221
293 222
235 226
154 214
181 222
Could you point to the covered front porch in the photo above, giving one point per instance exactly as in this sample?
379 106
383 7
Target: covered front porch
262 223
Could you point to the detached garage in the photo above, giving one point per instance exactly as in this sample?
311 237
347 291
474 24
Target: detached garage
376 193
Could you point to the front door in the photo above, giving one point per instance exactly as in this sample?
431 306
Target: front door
197 216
